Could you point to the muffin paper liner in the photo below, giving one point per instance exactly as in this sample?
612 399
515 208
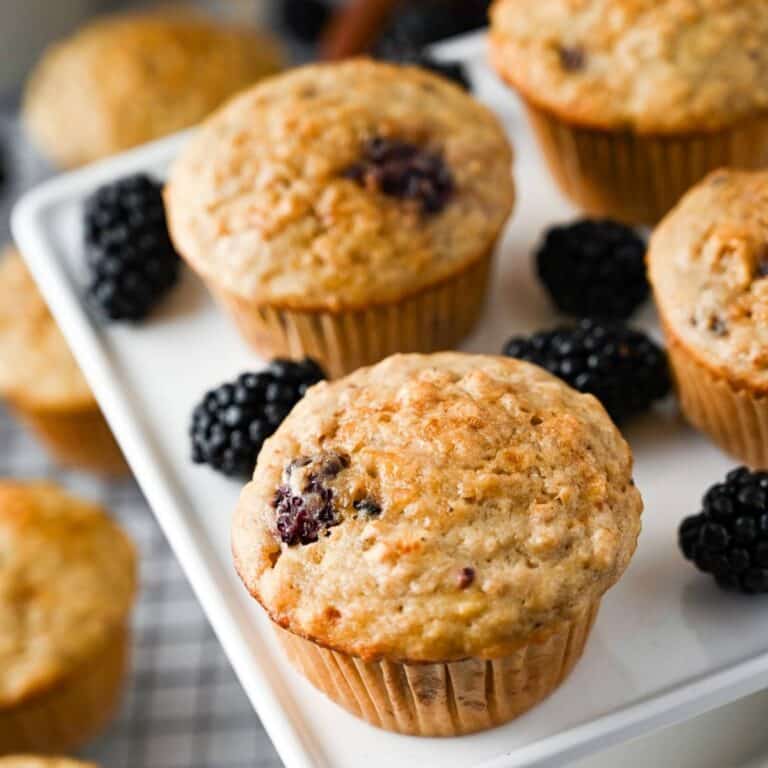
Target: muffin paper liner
446 699
437 318
60 719
77 438
736 419
638 178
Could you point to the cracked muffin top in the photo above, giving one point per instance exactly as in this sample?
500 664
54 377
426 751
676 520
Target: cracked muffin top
433 508
339 186
654 66
36 366
166 71
67 582
708 262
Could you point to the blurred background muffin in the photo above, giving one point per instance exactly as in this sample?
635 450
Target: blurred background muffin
40 380
67 583
167 71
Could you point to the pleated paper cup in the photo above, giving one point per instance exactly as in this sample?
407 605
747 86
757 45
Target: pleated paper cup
638 178
443 699
733 417
436 318
78 437
60 719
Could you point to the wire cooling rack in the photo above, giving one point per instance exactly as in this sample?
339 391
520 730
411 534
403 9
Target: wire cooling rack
183 706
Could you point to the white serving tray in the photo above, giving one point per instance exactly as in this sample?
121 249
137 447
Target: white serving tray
667 645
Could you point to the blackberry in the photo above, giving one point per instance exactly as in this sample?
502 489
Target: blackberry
304 501
231 423
400 169
129 252
729 537
621 367
416 25
304 19
594 268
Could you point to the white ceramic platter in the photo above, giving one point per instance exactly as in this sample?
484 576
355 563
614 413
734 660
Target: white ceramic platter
667 645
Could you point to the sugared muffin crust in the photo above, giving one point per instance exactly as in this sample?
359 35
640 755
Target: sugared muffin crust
67 581
437 508
708 263
649 65
339 186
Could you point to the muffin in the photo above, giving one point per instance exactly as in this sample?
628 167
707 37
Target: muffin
345 211
432 537
166 72
635 101
29 761
708 263
67 582
40 380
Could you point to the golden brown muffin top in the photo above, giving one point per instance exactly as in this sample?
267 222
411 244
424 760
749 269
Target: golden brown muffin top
467 504
67 582
36 366
654 66
261 200
30 761
708 263
124 80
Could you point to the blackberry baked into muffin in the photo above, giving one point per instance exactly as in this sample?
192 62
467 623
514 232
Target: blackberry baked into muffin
67 584
166 71
432 537
40 380
708 263
634 101
345 211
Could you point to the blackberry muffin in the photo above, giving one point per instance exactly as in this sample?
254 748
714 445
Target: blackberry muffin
432 537
41 382
634 101
345 211
708 263
67 583
168 71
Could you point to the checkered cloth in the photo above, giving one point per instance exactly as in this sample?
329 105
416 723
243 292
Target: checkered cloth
183 707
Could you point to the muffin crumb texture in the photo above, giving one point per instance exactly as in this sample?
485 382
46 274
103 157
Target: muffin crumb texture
436 508
708 265
650 66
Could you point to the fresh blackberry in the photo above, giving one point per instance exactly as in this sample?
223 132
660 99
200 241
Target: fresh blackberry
400 169
729 537
418 24
621 367
594 268
129 252
304 19
231 423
